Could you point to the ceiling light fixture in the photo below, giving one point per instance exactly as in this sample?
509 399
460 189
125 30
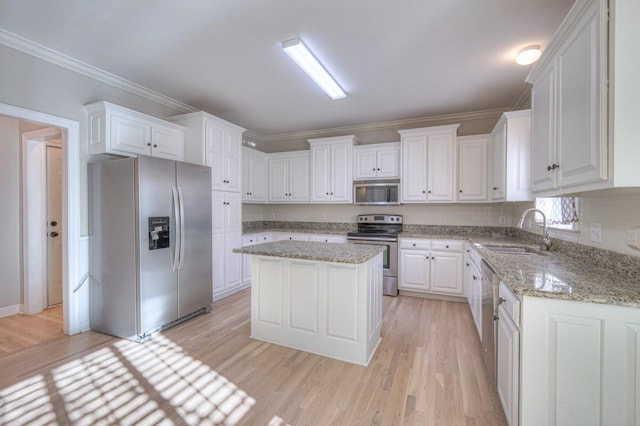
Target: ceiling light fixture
305 60
528 55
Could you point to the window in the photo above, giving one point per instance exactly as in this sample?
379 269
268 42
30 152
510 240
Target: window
561 212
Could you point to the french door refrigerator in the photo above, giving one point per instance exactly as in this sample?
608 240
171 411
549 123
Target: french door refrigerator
149 245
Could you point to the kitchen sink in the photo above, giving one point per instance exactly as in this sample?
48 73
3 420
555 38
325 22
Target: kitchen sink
513 250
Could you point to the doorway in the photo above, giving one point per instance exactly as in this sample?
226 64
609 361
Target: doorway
75 300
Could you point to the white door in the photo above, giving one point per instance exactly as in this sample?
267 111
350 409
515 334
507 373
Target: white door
414 270
472 173
445 273
414 168
440 168
341 173
54 225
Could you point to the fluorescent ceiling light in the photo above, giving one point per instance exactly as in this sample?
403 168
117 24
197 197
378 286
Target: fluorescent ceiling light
305 60
528 55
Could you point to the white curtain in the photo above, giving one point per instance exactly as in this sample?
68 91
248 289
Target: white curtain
559 211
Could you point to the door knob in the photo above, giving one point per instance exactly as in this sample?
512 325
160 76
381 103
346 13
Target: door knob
54 234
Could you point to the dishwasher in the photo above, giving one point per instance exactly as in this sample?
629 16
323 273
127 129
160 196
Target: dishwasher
490 288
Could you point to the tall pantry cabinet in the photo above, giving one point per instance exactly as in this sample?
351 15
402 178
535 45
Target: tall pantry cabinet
217 143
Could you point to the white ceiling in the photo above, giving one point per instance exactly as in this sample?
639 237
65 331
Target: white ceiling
396 60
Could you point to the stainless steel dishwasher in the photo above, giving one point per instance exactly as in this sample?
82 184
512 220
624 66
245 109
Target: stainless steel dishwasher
490 286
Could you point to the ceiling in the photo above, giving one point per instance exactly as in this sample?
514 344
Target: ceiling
396 60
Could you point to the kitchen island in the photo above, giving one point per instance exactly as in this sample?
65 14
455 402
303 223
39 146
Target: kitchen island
317 297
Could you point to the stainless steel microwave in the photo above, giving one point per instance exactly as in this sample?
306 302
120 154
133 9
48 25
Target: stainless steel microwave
376 193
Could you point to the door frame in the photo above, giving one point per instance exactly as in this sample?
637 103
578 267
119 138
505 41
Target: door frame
34 211
74 301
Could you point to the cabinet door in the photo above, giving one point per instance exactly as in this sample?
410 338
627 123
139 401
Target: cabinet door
542 131
233 156
246 178
215 140
299 179
414 168
365 164
257 179
167 143
278 179
414 270
472 171
218 209
508 366
581 143
498 163
446 273
247 240
320 173
233 213
129 135
341 169
233 261
475 294
218 263
388 163
440 168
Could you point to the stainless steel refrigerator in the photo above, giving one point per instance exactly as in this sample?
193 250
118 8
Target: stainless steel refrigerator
149 244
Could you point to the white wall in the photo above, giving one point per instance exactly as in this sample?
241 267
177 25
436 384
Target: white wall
10 249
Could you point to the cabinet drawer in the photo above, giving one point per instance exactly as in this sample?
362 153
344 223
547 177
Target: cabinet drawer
415 244
510 302
447 245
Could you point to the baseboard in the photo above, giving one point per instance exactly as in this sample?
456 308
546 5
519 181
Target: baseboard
460 299
11 310
229 292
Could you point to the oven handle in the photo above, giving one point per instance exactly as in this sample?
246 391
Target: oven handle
372 240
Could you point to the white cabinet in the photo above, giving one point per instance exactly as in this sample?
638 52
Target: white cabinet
376 161
431 266
508 356
249 240
292 236
569 103
289 177
428 164
473 287
117 130
472 168
332 169
217 143
226 236
580 363
323 238
510 157
254 176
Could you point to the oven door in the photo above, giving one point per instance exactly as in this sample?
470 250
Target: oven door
389 261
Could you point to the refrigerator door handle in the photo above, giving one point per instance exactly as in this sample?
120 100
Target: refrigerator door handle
182 232
176 209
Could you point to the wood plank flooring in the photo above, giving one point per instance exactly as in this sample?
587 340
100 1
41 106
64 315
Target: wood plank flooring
428 370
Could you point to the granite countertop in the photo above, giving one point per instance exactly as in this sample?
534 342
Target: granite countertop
323 252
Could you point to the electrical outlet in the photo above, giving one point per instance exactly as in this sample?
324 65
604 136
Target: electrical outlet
596 232
502 220
323 217
273 216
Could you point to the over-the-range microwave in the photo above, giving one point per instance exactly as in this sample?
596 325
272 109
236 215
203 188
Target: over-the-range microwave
376 193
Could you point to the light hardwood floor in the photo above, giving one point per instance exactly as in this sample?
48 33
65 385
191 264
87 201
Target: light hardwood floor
428 370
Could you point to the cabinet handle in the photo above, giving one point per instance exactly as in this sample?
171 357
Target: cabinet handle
555 166
148 143
378 169
424 192
374 169
155 145
495 188
327 193
414 245
548 168
429 191
501 300
475 278
460 191
332 193
446 246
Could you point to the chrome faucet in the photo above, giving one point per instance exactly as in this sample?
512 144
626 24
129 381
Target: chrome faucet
545 244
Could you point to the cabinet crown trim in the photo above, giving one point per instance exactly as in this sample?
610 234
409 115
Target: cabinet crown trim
104 106
430 130
336 139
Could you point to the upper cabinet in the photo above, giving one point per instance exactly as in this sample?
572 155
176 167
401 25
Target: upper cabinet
289 177
428 164
472 168
332 169
254 176
216 143
377 161
569 104
117 130
510 157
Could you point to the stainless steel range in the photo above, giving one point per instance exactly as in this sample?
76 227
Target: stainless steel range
381 229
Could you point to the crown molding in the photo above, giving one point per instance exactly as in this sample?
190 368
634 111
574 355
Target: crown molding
437 120
29 47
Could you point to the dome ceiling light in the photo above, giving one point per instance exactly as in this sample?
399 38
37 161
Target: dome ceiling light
528 55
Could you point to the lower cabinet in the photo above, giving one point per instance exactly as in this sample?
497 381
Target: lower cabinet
508 358
431 266
579 363
226 235
473 288
249 240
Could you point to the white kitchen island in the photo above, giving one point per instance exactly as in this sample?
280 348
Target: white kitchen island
321 298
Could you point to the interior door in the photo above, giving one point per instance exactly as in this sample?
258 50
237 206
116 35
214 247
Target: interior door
54 225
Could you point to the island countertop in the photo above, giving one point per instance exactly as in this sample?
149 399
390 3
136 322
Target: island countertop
323 252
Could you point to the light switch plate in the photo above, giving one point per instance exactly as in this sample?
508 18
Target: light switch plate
631 238
596 232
